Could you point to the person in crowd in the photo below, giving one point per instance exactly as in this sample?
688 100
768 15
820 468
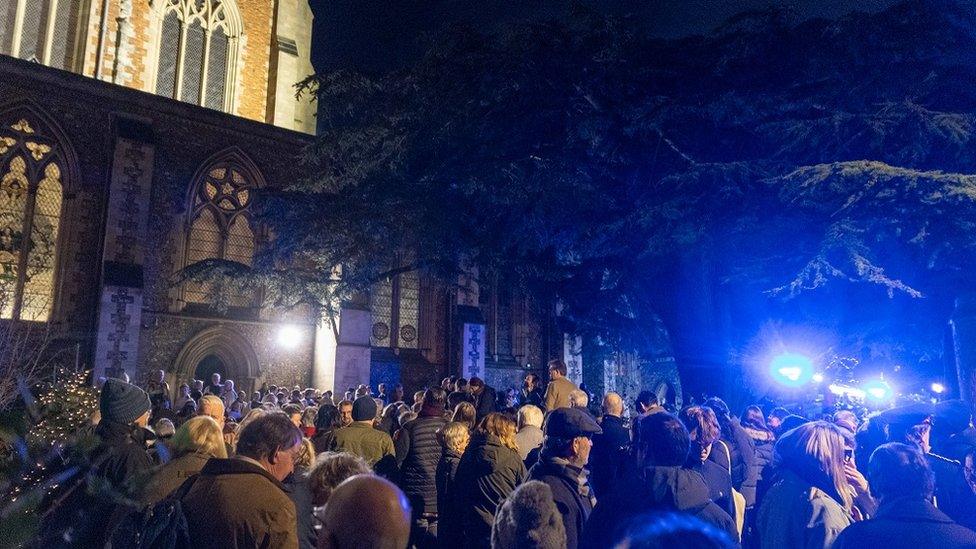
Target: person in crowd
645 405
213 406
296 397
183 397
363 390
754 424
296 485
331 468
164 429
307 424
327 398
903 482
228 393
775 420
270 401
461 393
464 413
188 410
531 393
809 506
390 420
661 531
310 398
579 399
565 452
505 400
488 471
361 439
704 432
382 394
485 397
557 392
197 390
453 438
327 421
658 482
239 407
529 519
349 395
294 413
740 457
366 512
529 435
215 388
256 400
345 412
158 391
417 454
240 501
122 437
406 416
379 413
195 442
847 420
611 448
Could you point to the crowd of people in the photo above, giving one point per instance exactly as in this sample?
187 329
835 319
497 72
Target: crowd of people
464 465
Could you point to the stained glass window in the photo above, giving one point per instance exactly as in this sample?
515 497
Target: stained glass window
46 31
195 51
31 179
395 306
221 224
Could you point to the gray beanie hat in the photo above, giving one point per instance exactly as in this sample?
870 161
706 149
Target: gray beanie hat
122 402
364 408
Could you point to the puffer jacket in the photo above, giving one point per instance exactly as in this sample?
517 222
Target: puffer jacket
449 513
654 489
486 475
418 452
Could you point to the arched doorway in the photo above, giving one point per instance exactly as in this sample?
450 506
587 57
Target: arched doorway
210 365
218 349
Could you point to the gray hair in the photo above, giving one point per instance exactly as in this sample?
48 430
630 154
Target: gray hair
529 518
529 415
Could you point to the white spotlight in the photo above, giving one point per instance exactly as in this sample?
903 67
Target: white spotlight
938 388
818 377
289 336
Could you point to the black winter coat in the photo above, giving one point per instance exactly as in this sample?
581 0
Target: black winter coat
296 486
611 449
487 474
122 457
573 499
449 512
906 524
417 454
655 489
484 403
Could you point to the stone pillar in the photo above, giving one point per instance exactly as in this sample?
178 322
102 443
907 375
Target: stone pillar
964 342
350 364
120 305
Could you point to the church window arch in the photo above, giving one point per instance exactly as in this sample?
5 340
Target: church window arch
51 32
395 308
220 224
197 51
34 168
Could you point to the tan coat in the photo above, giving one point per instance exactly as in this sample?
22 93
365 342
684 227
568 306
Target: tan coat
169 477
236 504
557 393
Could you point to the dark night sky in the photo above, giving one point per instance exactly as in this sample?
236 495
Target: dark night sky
379 34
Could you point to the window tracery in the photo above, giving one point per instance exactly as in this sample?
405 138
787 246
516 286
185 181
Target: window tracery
395 307
31 183
47 31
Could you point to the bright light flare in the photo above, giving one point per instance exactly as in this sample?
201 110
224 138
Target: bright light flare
844 390
938 388
878 390
791 369
290 336
818 377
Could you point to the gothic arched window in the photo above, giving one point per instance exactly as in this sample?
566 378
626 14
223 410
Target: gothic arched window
220 224
395 306
46 31
198 51
32 174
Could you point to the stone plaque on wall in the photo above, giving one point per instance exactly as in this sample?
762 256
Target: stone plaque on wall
473 351
120 305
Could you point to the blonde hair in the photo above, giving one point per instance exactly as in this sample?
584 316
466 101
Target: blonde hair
578 399
306 455
206 401
454 436
530 415
251 416
815 452
500 426
199 434
464 412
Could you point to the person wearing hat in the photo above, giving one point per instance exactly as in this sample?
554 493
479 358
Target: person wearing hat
121 456
565 452
361 439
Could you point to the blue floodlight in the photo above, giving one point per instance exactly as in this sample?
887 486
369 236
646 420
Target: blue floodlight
878 390
791 369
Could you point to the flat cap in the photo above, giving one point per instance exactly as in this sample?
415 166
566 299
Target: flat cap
571 423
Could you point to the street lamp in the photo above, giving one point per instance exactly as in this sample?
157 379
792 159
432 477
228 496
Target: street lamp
289 337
